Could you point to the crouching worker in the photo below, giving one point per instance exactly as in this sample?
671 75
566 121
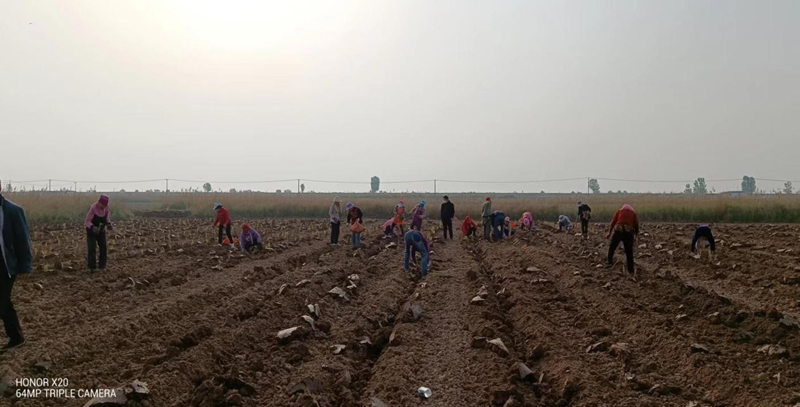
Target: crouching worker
415 242
468 227
703 233
250 240
508 228
498 224
388 229
98 219
625 228
564 224
526 221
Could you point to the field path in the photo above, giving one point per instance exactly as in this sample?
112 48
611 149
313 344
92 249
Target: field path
436 351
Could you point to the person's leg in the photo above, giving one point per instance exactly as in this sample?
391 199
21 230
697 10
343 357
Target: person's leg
228 233
627 241
103 243
584 227
337 230
450 228
486 228
612 247
7 311
91 245
444 228
424 257
221 229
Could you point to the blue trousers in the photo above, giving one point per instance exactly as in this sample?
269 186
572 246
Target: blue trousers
497 228
411 246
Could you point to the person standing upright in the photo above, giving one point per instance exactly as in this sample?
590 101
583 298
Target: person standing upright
400 216
98 219
448 213
584 214
486 218
418 215
17 257
223 222
334 213
625 228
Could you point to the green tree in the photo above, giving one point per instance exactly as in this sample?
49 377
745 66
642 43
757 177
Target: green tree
748 185
787 187
688 189
207 187
302 188
700 187
375 184
232 191
594 186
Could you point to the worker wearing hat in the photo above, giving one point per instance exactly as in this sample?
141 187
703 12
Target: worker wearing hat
486 217
223 222
334 213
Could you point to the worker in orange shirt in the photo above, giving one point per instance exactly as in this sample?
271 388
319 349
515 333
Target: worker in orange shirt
624 228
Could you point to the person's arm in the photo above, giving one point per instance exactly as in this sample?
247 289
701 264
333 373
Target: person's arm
89 216
22 243
407 256
613 223
635 223
241 243
695 238
360 216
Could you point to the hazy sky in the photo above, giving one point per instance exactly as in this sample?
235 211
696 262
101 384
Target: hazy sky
406 90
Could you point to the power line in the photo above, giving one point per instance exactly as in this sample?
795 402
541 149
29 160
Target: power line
662 181
233 182
32 182
512 182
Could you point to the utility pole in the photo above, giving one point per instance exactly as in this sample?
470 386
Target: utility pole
298 185
76 186
49 184
434 187
167 181
587 186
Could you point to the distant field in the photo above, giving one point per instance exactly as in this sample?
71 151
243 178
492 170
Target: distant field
68 207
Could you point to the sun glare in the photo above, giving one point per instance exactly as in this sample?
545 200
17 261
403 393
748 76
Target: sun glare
253 25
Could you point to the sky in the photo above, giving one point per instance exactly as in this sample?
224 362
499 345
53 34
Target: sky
504 91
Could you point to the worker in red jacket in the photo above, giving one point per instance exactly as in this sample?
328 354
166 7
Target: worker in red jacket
625 228
223 222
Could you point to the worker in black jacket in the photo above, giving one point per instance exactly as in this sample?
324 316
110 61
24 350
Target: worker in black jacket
448 213
16 257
